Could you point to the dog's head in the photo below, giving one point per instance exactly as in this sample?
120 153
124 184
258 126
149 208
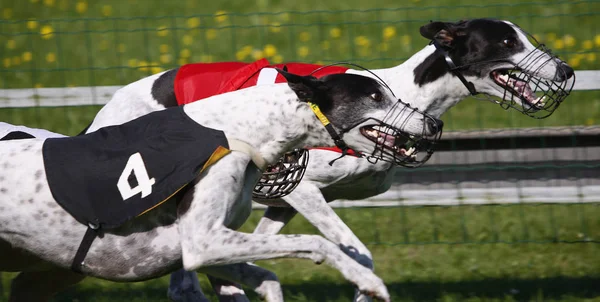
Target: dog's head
502 60
369 118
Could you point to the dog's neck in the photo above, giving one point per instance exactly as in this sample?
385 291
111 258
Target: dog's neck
435 97
273 123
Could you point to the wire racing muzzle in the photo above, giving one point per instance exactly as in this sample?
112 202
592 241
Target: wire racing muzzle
281 178
527 85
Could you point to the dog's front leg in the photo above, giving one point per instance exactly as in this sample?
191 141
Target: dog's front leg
262 281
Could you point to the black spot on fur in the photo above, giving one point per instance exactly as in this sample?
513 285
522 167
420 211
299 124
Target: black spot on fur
3 190
38 187
16 135
163 89
38 174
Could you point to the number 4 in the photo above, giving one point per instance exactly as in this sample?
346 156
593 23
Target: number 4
136 165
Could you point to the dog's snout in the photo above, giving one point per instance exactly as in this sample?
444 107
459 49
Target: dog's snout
564 72
435 125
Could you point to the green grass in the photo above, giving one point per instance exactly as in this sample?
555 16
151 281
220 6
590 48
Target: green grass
58 43
492 253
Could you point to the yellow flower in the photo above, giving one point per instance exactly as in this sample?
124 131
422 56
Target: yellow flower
50 57
389 32
7 13
121 48
303 51
193 22
47 32
38 85
537 37
597 40
277 59
575 61
182 61
384 46
320 63
143 66
284 17
587 44
325 45
165 58
206 58
27 56
185 53
559 44
187 40
132 63
162 31
247 48
269 50
163 48
211 34
156 69
550 37
275 27
107 10
221 16
362 41
257 54
6 62
32 24
11 44
335 32
569 40
589 122
16 60
49 2
304 36
590 57
240 55
406 40
81 7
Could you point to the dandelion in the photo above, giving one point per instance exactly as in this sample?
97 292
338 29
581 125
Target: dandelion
121 48
303 51
587 44
284 17
304 36
182 61
325 45
221 16
240 55
590 122
211 34
320 62
574 61
165 58
277 59
537 37
269 50
156 69
107 10
50 57
275 27
81 7
16 60
185 53
383 46
187 40
257 54
11 44
132 63
597 40
389 32
27 56
362 41
569 40
406 40
163 48
49 2
550 37
162 31
32 24
590 57
206 58
143 66
335 32
6 62
7 13
193 22
47 32
38 85
559 44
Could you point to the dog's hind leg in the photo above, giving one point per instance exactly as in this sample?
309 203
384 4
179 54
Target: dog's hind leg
262 281
41 285
184 287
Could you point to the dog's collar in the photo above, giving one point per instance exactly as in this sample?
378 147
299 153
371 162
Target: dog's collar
257 159
452 67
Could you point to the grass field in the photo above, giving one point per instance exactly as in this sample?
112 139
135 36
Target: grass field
468 253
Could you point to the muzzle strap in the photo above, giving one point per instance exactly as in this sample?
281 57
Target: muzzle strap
452 67
337 139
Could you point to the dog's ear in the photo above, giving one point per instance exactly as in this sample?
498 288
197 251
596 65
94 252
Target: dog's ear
442 32
305 87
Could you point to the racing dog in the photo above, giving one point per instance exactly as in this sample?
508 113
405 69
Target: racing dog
493 59
89 205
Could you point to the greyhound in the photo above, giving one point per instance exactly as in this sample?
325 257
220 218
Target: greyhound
493 59
194 228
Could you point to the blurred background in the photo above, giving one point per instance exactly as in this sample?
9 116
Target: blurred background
506 211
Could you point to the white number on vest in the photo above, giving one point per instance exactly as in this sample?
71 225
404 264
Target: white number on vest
136 165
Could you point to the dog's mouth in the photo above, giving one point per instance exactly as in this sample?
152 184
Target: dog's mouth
507 79
402 144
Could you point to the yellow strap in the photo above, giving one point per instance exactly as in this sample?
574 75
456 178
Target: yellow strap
315 108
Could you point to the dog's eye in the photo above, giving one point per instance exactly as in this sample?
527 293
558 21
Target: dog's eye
376 96
509 42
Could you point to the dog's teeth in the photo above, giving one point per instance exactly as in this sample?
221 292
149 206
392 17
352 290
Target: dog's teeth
380 139
540 102
410 151
504 77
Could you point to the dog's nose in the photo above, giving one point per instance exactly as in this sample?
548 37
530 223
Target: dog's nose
435 125
564 72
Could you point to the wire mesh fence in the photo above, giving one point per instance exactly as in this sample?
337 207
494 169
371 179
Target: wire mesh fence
74 44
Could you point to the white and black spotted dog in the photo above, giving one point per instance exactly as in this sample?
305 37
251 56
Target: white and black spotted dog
45 186
492 58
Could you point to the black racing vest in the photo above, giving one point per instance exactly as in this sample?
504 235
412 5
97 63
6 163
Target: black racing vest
110 176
